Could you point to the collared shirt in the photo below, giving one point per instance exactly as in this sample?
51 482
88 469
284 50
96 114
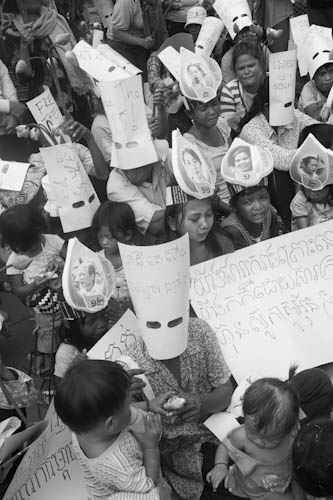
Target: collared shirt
146 199
282 142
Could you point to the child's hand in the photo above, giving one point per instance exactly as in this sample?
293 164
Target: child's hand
41 281
156 405
150 437
216 475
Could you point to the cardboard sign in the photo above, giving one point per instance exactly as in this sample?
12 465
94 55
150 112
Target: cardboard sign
97 65
12 175
118 59
282 83
125 110
158 279
45 111
117 339
316 48
88 279
210 32
74 194
299 26
235 14
49 469
271 304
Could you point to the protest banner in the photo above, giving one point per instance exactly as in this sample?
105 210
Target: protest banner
45 111
271 304
282 82
12 175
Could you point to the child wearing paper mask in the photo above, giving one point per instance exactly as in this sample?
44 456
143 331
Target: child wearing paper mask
196 217
261 448
116 444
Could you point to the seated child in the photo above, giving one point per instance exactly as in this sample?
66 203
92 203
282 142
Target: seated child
261 448
309 207
116 444
315 92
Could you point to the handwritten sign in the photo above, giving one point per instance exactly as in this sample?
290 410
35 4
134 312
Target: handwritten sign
125 110
299 26
74 194
12 175
45 111
97 65
49 468
117 339
271 304
158 280
282 82
210 32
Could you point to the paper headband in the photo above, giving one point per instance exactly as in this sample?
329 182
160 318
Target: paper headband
194 173
200 77
245 165
312 165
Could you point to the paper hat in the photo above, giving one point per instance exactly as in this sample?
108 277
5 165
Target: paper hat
282 84
310 166
316 48
195 15
235 14
88 279
210 32
195 174
246 165
200 77
158 278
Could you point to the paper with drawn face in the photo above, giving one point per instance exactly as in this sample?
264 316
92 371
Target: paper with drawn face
282 83
210 32
124 106
74 194
235 14
12 175
45 111
97 65
158 278
118 59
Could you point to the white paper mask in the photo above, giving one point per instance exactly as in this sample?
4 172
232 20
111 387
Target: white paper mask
246 165
282 82
200 77
88 279
124 106
235 14
104 10
316 48
74 194
310 166
210 32
158 279
117 59
195 174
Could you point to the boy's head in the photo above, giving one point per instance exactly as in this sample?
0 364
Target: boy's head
94 393
323 78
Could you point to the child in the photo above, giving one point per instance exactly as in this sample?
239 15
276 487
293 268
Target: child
315 92
261 448
196 218
253 218
313 458
309 207
115 444
24 230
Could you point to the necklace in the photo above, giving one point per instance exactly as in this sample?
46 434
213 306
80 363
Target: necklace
245 233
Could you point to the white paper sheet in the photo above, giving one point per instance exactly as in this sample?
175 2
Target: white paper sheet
12 175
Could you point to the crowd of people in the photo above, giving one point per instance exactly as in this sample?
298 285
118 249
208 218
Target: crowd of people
243 173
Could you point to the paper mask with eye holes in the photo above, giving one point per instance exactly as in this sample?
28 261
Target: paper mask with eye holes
246 165
200 77
235 14
316 48
195 174
312 165
88 278
158 279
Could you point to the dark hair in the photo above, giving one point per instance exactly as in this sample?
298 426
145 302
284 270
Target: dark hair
323 132
21 227
313 458
248 46
273 404
91 391
71 332
246 192
117 217
258 105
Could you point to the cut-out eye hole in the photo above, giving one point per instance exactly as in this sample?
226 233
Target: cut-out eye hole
288 105
131 144
91 198
175 322
235 19
316 55
153 324
111 68
118 145
244 15
5 168
78 204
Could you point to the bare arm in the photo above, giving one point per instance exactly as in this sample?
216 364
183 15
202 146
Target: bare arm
220 469
301 222
22 290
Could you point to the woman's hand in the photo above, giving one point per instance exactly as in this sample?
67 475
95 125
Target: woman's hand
149 438
190 412
216 475
137 384
153 124
156 405
147 43
75 130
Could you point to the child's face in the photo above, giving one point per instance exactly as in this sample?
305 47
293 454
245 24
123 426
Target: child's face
107 241
311 166
324 78
207 114
320 196
197 221
253 207
259 440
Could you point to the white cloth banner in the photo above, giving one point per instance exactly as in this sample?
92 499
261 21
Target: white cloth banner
271 304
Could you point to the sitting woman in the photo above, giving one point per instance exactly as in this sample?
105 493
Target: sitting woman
237 96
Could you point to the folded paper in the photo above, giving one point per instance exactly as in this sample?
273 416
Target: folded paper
209 34
235 14
316 48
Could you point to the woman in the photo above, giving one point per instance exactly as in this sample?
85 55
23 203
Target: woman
281 141
237 96
211 133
